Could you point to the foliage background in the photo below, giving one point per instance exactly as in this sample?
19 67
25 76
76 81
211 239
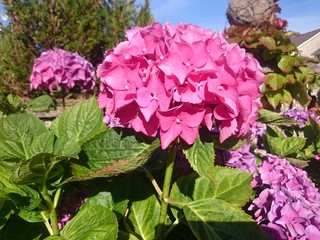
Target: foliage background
88 27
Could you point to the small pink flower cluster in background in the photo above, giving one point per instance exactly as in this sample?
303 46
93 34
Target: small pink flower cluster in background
169 80
62 69
289 206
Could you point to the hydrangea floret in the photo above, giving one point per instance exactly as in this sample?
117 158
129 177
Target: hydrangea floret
169 80
242 159
301 116
289 205
60 69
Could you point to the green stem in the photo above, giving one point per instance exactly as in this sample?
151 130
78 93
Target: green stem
46 222
51 210
154 182
165 193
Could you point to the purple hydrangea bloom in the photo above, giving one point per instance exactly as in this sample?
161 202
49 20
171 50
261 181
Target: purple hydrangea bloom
257 130
58 68
289 206
242 159
300 115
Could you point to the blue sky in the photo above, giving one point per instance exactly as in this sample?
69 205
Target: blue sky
302 15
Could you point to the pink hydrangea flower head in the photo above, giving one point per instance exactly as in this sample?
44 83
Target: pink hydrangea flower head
58 68
168 81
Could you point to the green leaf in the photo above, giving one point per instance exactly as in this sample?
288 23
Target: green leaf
228 184
286 98
144 212
16 103
231 185
111 153
106 199
270 117
282 146
308 74
23 197
17 132
291 145
274 98
42 143
32 216
126 236
286 63
42 104
275 81
80 122
92 222
268 42
6 209
312 130
216 219
66 147
201 156
299 92
38 168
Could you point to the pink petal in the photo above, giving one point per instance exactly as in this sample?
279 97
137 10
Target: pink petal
228 128
189 134
173 65
139 124
149 110
144 97
167 137
222 112
190 115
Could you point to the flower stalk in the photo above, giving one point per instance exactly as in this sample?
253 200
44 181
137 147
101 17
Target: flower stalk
52 211
165 193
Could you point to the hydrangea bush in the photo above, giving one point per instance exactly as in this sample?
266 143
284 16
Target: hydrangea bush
143 161
168 80
62 70
287 201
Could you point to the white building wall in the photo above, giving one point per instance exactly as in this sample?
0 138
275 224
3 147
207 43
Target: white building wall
307 48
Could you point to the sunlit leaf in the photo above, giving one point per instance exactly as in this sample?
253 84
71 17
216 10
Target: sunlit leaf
144 212
268 42
17 132
111 153
286 63
201 156
274 118
216 219
92 222
80 122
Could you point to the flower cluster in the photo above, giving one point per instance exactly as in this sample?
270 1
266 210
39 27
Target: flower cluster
301 116
61 69
169 80
257 130
289 206
242 159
